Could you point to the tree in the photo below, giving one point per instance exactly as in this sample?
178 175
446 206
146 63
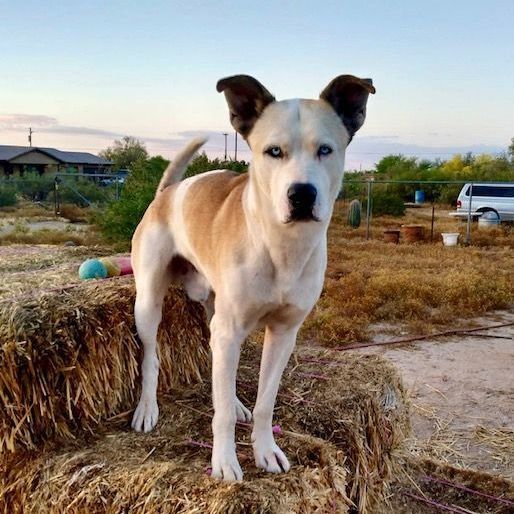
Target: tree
511 149
201 163
125 153
120 219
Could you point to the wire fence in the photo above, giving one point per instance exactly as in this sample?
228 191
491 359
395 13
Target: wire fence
54 190
437 201
385 203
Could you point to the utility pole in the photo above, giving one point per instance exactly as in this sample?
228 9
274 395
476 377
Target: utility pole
235 146
30 136
225 134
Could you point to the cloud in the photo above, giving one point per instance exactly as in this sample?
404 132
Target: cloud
80 131
47 125
21 122
371 138
363 152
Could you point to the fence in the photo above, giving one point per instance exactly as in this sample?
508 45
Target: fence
394 196
379 196
54 190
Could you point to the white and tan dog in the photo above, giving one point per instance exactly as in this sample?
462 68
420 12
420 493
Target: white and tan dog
251 247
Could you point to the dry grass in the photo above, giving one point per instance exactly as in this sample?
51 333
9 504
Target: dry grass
450 489
499 442
422 285
74 213
24 268
338 460
25 236
26 209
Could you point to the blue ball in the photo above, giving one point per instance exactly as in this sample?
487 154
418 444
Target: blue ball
92 268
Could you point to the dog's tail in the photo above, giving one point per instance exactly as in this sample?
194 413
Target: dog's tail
176 168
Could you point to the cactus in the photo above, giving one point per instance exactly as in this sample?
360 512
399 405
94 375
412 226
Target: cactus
354 214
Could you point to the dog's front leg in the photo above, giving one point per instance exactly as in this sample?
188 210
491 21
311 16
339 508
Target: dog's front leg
278 345
226 339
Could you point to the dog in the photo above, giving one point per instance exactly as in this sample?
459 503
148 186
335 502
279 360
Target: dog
251 247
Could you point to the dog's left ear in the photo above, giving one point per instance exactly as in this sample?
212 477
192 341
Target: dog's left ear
246 98
348 96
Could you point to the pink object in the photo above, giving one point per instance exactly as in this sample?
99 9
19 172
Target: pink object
277 430
125 265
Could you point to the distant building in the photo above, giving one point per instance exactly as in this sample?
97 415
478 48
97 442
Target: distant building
16 160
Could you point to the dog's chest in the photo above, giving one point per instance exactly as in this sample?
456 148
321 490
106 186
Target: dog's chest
285 287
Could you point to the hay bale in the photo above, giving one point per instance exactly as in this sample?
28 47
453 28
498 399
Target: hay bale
113 476
356 402
343 416
69 357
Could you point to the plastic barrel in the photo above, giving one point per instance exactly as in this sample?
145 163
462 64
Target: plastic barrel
419 196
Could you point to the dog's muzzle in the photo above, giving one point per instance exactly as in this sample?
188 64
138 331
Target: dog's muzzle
301 201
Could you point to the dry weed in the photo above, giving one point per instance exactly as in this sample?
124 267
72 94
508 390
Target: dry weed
419 285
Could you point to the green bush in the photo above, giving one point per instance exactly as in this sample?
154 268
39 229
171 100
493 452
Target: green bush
34 187
449 193
7 195
121 218
201 163
84 192
384 202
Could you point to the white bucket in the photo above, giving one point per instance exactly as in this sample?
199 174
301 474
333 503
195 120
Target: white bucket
450 238
488 220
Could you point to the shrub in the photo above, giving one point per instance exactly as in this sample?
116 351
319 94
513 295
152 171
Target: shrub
121 218
7 195
84 192
34 187
387 203
201 163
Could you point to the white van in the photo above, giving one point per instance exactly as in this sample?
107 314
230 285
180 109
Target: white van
496 198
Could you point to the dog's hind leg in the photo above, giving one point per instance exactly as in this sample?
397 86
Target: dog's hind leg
152 277
242 413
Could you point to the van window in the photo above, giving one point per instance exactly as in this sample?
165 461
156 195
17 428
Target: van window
498 191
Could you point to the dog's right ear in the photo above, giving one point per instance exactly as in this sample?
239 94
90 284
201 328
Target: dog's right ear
246 98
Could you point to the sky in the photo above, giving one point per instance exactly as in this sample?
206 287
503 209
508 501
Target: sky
82 74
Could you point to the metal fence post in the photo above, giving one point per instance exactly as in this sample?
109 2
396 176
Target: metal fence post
468 227
368 209
57 203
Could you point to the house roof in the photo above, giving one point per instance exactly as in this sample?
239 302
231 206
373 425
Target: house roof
8 152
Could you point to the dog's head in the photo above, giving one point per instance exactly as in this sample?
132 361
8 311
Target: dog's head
298 146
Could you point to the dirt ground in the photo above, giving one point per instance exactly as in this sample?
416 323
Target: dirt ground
10 225
462 393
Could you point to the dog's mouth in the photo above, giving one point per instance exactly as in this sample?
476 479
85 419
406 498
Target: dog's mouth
302 215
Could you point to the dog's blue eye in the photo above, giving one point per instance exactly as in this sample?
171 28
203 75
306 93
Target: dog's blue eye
275 152
324 150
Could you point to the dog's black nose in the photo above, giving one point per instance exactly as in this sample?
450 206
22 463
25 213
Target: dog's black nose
302 196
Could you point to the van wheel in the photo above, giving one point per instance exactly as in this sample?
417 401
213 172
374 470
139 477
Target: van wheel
483 211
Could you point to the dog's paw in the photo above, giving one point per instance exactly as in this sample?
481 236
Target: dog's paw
226 467
145 416
270 457
242 413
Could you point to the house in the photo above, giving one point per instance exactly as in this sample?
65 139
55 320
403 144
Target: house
15 160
